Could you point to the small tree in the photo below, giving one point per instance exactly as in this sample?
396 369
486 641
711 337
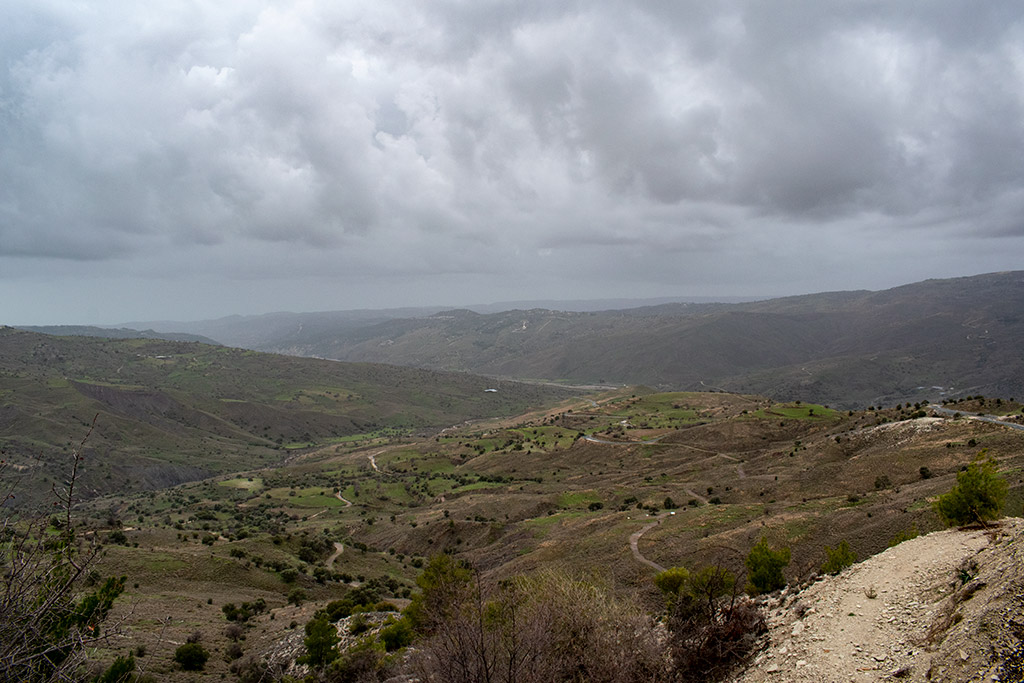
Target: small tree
48 623
764 568
321 643
191 656
839 559
296 596
977 497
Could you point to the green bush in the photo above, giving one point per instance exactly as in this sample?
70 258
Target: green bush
838 559
977 497
191 656
321 643
672 583
764 568
903 536
296 596
396 635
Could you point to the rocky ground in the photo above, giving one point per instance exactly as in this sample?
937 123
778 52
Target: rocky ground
948 606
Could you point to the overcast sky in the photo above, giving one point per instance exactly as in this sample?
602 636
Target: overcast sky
186 159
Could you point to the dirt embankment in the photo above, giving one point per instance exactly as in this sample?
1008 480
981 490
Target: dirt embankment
948 606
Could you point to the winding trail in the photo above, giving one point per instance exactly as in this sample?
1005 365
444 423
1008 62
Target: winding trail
594 439
346 501
338 550
634 544
702 499
976 416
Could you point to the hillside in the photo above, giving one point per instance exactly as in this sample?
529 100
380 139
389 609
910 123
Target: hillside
656 480
945 606
115 333
168 412
924 341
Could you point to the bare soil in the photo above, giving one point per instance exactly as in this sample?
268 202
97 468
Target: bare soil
941 607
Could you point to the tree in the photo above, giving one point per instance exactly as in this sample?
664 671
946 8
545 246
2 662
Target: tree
191 656
977 497
764 568
321 643
47 623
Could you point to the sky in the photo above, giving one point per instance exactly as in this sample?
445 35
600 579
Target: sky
193 159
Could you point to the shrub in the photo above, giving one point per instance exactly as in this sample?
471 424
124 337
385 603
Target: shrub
191 656
977 497
839 559
711 629
764 568
296 596
321 643
396 635
119 672
925 472
672 582
903 536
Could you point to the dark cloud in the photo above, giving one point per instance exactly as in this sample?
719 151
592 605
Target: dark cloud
352 154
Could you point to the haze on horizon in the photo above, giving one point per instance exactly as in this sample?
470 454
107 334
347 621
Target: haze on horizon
181 160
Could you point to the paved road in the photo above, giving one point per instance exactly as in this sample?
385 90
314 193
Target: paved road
977 416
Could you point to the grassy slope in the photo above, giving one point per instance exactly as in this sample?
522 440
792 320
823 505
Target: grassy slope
173 411
514 496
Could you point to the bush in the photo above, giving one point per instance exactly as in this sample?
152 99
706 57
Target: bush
296 596
711 629
839 559
764 568
396 635
672 582
191 656
321 643
977 497
547 627
903 536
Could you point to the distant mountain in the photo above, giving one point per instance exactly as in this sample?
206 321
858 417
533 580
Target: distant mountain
920 341
115 333
275 329
176 411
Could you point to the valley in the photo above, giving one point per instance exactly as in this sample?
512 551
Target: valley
516 496
241 493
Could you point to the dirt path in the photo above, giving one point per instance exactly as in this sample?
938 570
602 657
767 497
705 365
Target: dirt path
338 550
694 494
870 623
346 501
634 545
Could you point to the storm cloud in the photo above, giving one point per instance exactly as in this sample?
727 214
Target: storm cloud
194 159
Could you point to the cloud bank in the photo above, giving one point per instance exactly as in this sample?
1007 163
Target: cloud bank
202 158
